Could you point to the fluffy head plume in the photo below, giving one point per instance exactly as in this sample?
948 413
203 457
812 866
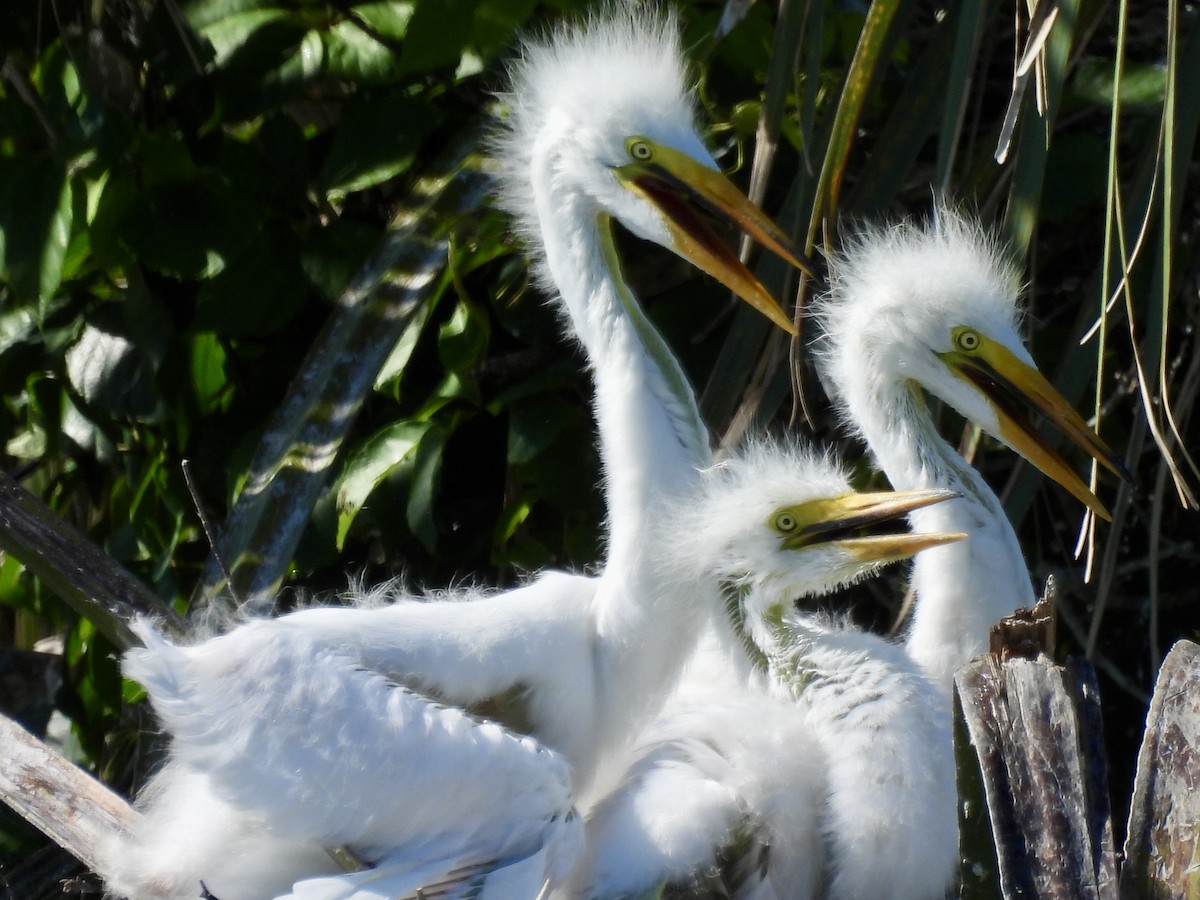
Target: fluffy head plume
895 290
722 527
618 73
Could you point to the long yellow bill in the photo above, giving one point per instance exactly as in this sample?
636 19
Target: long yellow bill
853 522
673 182
1011 384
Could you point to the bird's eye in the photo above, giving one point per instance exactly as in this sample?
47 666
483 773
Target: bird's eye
967 340
640 149
785 522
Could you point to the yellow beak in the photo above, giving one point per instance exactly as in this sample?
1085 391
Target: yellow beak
672 181
1009 383
847 522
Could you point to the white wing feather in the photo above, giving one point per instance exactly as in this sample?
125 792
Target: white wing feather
891 817
318 753
735 766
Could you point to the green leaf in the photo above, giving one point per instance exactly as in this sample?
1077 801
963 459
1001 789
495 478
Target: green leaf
35 220
115 200
423 488
164 159
330 256
1143 84
191 228
109 372
210 381
253 34
377 139
267 66
437 35
358 57
463 340
373 462
512 517
393 367
258 294
390 19
496 21
204 13
18 325
534 426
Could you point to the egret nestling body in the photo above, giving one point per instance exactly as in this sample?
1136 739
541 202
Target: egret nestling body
600 128
283 750
775 786
935 309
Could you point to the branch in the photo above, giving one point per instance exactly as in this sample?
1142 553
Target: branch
71 566
294 458
60 799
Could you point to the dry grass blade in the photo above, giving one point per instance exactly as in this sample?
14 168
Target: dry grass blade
789 33
1189 388
1177 136
1032 141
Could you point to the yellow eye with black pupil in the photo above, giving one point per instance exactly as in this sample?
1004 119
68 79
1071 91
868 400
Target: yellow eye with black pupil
967 341
785 522
640 150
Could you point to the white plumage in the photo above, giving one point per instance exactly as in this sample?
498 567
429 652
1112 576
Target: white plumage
722 798
935 308
835 773
283 750
600 127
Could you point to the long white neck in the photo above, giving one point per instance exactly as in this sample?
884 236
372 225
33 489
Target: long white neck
652 442
962 589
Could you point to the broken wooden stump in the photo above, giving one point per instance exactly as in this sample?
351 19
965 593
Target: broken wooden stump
1162 846
1029 742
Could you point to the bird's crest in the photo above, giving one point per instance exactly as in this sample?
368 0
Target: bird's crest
621 64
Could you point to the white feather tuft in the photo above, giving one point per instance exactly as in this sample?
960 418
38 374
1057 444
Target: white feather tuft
619 73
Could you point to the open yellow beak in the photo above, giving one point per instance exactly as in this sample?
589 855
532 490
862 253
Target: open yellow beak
852 522
1009 384
673 182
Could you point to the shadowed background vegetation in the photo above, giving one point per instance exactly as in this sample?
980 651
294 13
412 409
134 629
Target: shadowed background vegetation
252 296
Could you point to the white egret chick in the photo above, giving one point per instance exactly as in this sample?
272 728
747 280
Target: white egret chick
913 309
601 127
285 753
766 796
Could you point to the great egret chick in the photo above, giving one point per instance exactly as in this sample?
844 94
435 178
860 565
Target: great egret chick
763 781
935 309
600 127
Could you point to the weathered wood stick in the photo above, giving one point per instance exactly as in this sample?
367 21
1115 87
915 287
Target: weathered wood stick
1162 846
75 569
57 797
